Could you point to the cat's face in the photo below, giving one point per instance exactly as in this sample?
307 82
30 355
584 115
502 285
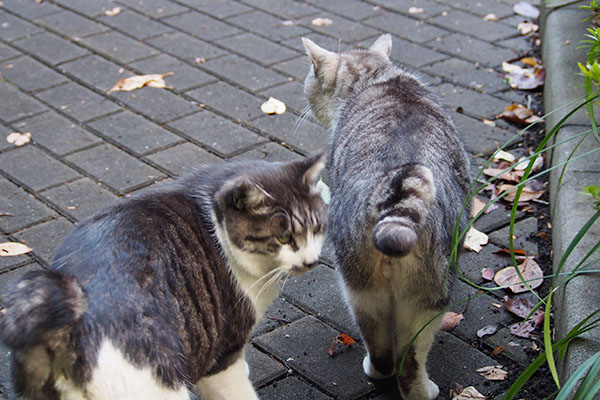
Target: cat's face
273 217
332 76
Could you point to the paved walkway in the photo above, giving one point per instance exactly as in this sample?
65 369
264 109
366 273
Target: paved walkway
88 148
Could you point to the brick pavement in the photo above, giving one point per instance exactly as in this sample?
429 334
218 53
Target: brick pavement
89 148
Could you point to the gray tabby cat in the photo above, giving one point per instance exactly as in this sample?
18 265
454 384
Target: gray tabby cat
156 296
398 176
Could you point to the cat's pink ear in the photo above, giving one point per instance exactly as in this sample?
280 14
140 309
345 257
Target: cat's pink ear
247 195
318 55
383 45
316 164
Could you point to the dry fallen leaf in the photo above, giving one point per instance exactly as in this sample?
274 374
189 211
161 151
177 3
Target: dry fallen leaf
18 138
476 206
321 22
519 114
138 81
450 320
487 330
504 155
273 106
531 271
487 274
525 9
527 27
342 338
488 122
468 393
493 373
527 194
531 61
9 249
521 307
497 350
491 17
112 12
523 329
499 173
415 10
523 163
474 240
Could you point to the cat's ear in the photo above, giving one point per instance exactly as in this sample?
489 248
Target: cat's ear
320 57
247 195
383 45
314 166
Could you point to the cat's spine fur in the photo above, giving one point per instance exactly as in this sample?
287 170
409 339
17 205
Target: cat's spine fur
42 302
402 206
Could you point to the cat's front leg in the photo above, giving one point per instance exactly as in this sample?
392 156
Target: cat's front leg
230 384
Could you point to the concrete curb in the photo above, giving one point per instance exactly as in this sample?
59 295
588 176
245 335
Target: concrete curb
563 30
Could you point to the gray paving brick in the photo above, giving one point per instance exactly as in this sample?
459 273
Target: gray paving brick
183 158
472 49
114 167
263 368
134 132
430 7
297 67
19 208
291 93
279 313
461 21
134 24
7 278
12 27
413 54
244 72
353 9
471 263
217 133
468 74
96 71
520 44
229 100
221 9
91 8
30 9
201 25
318 291
484 7
70 24
307 137
34 168
51 48
269 152
7 52
184 76
523 229
46 238
118 46
469 102
303 345
342 27
4 132
57 134
480 138
15 105
291 388
257 48
186 47
154 8
286 8
77 101
514 347
80 198
268 25
406 28
159 105
29 74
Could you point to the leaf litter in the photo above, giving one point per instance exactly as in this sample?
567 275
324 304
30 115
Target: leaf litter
530 270
342 338
468 393
450 320
11 249
139 81
19 138
493 373
475 240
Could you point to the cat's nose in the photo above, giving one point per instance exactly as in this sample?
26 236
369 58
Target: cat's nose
310 265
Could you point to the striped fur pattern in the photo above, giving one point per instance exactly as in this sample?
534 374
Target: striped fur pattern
155 297
399 175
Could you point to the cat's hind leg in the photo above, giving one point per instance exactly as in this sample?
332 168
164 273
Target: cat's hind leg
372 313
229 384
413 380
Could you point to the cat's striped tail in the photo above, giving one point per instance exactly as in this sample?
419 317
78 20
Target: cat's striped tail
38 304
403 202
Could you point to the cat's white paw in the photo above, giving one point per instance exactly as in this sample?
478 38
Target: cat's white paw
371 371
432 390
247 368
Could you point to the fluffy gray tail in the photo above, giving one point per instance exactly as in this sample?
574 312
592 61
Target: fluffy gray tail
37 304
404 197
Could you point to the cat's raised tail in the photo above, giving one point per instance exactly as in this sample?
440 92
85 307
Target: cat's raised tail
403 199
39 303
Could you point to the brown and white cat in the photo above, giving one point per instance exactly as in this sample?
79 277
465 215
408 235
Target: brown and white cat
155 297
399 176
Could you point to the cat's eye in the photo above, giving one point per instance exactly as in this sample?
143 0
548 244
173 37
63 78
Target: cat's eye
285 238
318 228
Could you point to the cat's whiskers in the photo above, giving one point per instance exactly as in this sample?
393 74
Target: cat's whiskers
268 276
304 118
280 271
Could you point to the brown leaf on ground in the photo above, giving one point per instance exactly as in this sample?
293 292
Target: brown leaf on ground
511 175
450 320
487 330
11 249
342 338
487 274
527 27
531 271
497 350
506 253
321 22
476 206
139 81
493 373
474 240
519 114
521 307
468 393
529 192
